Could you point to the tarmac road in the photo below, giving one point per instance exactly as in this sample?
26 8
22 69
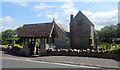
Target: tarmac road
19 63
9 61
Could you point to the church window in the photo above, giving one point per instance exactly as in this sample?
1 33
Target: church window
79 24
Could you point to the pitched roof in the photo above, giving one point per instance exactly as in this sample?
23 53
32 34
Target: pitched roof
64 28
37 30
81 14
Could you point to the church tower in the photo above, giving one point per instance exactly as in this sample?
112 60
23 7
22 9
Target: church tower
81 32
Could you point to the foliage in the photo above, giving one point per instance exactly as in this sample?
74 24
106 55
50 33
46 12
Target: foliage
0 38
108 47
6 35
9 35
104 46
107 36
118 30
116 50
18 45
4 45
18 29
107 33
12 38
115 39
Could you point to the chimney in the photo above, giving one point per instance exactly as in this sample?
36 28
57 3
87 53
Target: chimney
71 17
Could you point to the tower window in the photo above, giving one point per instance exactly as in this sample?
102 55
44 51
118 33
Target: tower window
79 24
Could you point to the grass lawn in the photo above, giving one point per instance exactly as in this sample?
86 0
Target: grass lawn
18 45
108 47
14 45
4 45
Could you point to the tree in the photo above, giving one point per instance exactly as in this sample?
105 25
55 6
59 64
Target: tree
107 33
6 35
9 35
0 38
118 30
18 29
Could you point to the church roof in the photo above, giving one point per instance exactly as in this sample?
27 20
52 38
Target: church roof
81 14
37 30
64 27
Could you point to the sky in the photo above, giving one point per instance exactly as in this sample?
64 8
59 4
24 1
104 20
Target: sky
15 14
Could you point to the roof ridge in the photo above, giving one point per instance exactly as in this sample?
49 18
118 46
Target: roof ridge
33 30
38 23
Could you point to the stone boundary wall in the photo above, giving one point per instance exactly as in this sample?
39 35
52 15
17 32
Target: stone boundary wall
84 53
73 52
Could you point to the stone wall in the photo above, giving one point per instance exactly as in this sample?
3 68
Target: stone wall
81 32
25 50
84 53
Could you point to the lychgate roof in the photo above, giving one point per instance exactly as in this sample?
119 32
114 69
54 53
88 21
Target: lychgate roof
37 30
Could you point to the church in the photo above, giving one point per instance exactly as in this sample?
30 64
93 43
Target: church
39 37
82 33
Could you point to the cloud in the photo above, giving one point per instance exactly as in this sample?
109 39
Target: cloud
60 0
7 19
69 8
39 15
5 28
51 16
67 5
102 18
22 4
99 19
42 6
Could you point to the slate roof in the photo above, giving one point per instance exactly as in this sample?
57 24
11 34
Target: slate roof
81 14
64 27
37 30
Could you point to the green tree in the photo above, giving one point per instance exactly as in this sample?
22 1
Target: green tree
118 30
9 35
6 35
107 33
18 29
0 38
